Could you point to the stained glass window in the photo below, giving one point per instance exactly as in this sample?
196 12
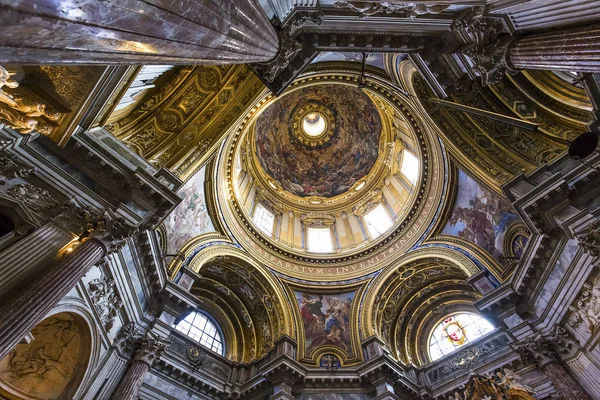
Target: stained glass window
200 328
456 331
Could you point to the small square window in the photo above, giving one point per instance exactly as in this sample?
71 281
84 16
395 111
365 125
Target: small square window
319 240
410 166
264 219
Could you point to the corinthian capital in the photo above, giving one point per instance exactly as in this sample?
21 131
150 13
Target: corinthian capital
149 350
487 41
288 49
85 222
536 349
562 341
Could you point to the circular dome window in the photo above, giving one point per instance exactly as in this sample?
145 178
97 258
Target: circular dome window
314 124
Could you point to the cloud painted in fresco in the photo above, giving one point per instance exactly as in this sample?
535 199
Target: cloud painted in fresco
190 218
480 216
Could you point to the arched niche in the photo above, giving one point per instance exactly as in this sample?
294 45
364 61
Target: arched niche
52 365
246 300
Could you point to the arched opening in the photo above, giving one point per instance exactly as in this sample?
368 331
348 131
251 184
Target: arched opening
204 329
52 365
455 331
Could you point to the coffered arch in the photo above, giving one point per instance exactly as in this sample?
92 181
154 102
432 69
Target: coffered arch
245 300
401 302
425 311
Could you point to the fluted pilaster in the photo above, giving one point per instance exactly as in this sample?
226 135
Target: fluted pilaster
26 254
569 49
135 32
21 313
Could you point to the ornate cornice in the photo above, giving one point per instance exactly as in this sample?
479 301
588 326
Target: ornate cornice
182 123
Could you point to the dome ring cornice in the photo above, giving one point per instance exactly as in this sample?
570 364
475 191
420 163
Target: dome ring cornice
332 267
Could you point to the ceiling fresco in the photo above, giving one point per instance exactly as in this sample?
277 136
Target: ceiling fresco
190 218
481 217
333 166
326 320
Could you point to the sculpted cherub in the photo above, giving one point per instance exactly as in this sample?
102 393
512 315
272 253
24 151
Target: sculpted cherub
509 380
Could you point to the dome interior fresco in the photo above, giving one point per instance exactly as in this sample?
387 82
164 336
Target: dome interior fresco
328 168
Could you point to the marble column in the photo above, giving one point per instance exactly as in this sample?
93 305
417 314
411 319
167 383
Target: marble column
541 351
135 32
570 49
21 258
564 382
22 312
149 351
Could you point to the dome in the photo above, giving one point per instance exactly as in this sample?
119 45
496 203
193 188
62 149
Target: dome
320 140
329 173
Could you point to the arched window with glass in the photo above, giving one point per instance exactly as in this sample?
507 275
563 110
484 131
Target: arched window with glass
204 330
456 331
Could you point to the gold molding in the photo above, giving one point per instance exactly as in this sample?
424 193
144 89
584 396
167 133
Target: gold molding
359 261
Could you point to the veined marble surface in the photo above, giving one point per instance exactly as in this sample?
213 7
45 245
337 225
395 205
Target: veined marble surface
134 31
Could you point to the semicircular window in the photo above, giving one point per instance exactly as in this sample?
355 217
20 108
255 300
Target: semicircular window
456 331
202 329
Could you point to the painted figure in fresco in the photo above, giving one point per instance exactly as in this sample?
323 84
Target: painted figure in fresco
190 218
332 168
332 322
312 313
315 306
326 319
483 216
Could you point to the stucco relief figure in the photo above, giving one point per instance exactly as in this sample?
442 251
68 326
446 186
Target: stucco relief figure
367 8
586 308
21 112
105 300
190 218
45 366
509 380
326 319
480 216
455 396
